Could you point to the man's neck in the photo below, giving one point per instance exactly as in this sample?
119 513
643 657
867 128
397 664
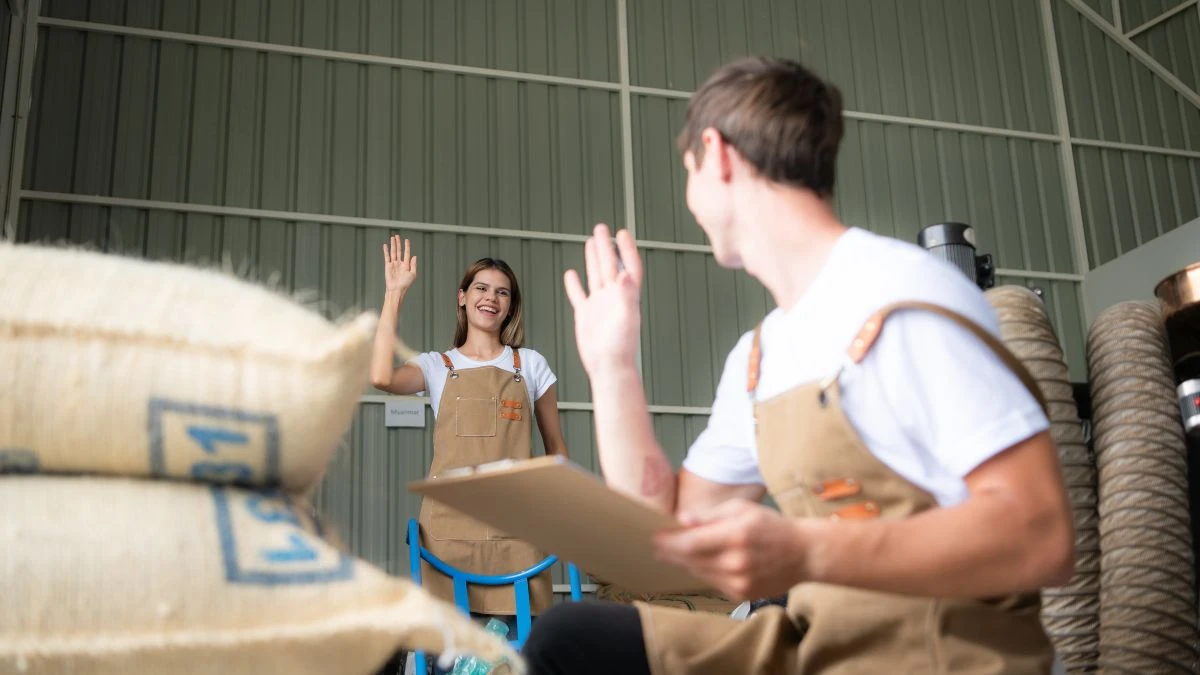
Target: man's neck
794 235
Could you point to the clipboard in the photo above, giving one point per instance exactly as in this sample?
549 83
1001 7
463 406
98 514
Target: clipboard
561 508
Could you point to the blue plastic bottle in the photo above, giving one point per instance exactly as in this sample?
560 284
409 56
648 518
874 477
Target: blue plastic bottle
471 665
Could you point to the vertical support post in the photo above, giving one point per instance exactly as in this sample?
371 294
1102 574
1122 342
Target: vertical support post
626 108
1116 12
1066 148
24 98
8 107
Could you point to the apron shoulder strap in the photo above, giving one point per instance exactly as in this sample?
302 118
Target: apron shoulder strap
449 364
517 364
755 366
869 333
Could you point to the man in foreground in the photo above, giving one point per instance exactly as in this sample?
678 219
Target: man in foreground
921 500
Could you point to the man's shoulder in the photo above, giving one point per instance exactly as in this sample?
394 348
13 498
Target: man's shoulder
897 272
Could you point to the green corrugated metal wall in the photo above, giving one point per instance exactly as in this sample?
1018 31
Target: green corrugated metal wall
311 158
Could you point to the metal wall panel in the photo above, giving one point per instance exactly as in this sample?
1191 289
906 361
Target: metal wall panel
568 38
977 62
1105 7
1130 198
5 23
1175 43
895 180
234 128
695 312
1137 12
1111 96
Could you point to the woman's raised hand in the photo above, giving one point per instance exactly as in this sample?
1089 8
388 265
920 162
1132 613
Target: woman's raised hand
399 265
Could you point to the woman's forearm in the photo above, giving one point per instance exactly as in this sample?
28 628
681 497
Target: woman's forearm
383 352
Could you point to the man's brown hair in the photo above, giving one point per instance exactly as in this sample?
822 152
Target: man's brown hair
784 119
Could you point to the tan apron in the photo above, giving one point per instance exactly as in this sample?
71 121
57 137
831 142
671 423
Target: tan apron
484 416
815 464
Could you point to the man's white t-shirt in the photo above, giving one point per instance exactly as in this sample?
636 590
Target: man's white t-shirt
535 371
930 400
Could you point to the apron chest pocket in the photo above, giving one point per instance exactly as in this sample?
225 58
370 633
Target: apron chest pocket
476 416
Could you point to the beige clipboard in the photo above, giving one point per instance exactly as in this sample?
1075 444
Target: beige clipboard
561 508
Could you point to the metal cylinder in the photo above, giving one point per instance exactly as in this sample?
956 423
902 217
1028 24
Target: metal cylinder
952 242
1188 393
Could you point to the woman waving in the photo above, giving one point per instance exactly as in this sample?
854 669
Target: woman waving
485 392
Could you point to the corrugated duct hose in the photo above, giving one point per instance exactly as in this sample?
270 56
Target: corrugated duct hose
1070 614
1147 599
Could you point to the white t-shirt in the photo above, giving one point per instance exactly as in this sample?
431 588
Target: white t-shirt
930 400
535 372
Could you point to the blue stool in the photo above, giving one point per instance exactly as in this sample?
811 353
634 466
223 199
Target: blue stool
519 581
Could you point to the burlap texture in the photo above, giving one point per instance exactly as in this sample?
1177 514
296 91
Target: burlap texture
118 366
113 575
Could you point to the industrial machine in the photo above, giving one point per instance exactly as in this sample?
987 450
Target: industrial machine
955 243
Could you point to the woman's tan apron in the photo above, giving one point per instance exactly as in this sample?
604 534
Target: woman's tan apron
484 416
815 465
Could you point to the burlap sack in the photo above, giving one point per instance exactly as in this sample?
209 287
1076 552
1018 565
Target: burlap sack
117 576
120 366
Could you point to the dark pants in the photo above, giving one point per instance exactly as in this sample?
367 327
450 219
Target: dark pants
582 638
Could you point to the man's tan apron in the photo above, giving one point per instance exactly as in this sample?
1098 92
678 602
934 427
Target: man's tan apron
815 465
484 416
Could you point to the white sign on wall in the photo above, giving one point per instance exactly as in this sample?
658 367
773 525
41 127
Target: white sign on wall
404 412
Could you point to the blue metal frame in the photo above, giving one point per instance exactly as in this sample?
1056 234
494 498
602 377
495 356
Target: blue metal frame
519 581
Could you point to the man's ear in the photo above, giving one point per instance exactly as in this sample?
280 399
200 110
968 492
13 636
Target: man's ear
717 150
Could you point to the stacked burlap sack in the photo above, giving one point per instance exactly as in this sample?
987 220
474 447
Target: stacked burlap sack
133 397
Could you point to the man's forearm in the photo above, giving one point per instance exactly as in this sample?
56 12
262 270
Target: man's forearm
632 460
984 547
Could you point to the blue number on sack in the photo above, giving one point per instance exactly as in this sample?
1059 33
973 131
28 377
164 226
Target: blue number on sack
217 432
218 472
208 437
299 552
296 556
272 512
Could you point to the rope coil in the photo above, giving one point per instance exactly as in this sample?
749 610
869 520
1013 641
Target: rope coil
1147 595
1070 614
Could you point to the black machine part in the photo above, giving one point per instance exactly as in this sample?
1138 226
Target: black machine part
1188 392
955 243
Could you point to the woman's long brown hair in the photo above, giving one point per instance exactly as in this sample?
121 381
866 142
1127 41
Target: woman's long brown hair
512 331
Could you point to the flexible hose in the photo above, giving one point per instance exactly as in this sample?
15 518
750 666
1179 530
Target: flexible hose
1071 613
1147 599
